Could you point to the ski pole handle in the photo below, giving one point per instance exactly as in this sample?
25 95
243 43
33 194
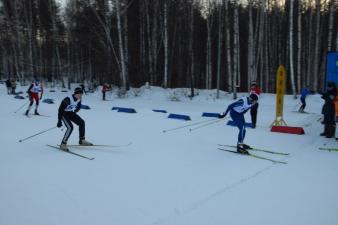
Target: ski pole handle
21 140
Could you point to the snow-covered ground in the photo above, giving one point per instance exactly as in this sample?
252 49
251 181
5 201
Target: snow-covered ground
172 178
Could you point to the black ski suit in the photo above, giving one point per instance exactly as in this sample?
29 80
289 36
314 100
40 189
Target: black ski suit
67 113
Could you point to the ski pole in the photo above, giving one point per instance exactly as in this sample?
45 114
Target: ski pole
41 132
192 124
20 107
207 124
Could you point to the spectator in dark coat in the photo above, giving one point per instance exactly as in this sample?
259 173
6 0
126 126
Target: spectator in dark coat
328 110
9 86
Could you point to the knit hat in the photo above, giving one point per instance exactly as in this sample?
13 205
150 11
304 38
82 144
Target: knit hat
78 90
254 97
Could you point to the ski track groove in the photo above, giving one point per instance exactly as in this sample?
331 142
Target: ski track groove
195 205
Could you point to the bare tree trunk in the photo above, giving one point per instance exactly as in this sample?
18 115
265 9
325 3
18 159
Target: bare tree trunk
191 51
309 47
106 26
316 62
154 39
208 79
55 38
143 62
228 47
331 18
219 49
250 44
259 50
299 46
126 46
236 80
122 56
28 18
166 38
19 56
292 75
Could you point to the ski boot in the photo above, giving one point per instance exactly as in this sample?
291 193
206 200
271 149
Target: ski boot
241 149
64 146
83 142
36 113
246 146
26 113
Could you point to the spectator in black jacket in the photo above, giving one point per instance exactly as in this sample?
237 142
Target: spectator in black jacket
328 110
9 86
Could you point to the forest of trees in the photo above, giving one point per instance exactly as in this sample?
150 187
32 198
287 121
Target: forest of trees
206 44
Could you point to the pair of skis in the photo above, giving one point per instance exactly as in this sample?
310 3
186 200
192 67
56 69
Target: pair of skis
82 146
31 115
328 149
254 155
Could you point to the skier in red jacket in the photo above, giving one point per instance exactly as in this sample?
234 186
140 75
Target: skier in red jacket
33 92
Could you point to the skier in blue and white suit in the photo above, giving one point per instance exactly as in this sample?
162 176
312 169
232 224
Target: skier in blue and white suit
237 110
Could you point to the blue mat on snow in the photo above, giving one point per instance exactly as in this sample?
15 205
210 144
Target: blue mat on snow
179 117
232 123
19 97
205 114
48 101
126 110
160 110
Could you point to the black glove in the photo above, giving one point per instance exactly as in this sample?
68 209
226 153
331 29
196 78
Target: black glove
220 116
59 124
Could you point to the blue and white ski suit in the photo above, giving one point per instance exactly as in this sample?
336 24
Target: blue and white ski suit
237 110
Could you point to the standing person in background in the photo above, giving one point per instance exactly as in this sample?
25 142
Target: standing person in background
9 86
328 110
13 86
67 113
254 89
237 111
305 92
105 88
83 88
33 92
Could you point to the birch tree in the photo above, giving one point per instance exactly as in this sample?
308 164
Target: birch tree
219 48
331 18
299 46
191 51
236 73
166 40
123 78
317 51
209 21
228 48
292 75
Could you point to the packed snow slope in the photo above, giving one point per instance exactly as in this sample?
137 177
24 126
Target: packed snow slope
173 178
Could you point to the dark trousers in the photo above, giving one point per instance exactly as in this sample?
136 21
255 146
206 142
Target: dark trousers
240 123
253 113
103 95
68 118
303 104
